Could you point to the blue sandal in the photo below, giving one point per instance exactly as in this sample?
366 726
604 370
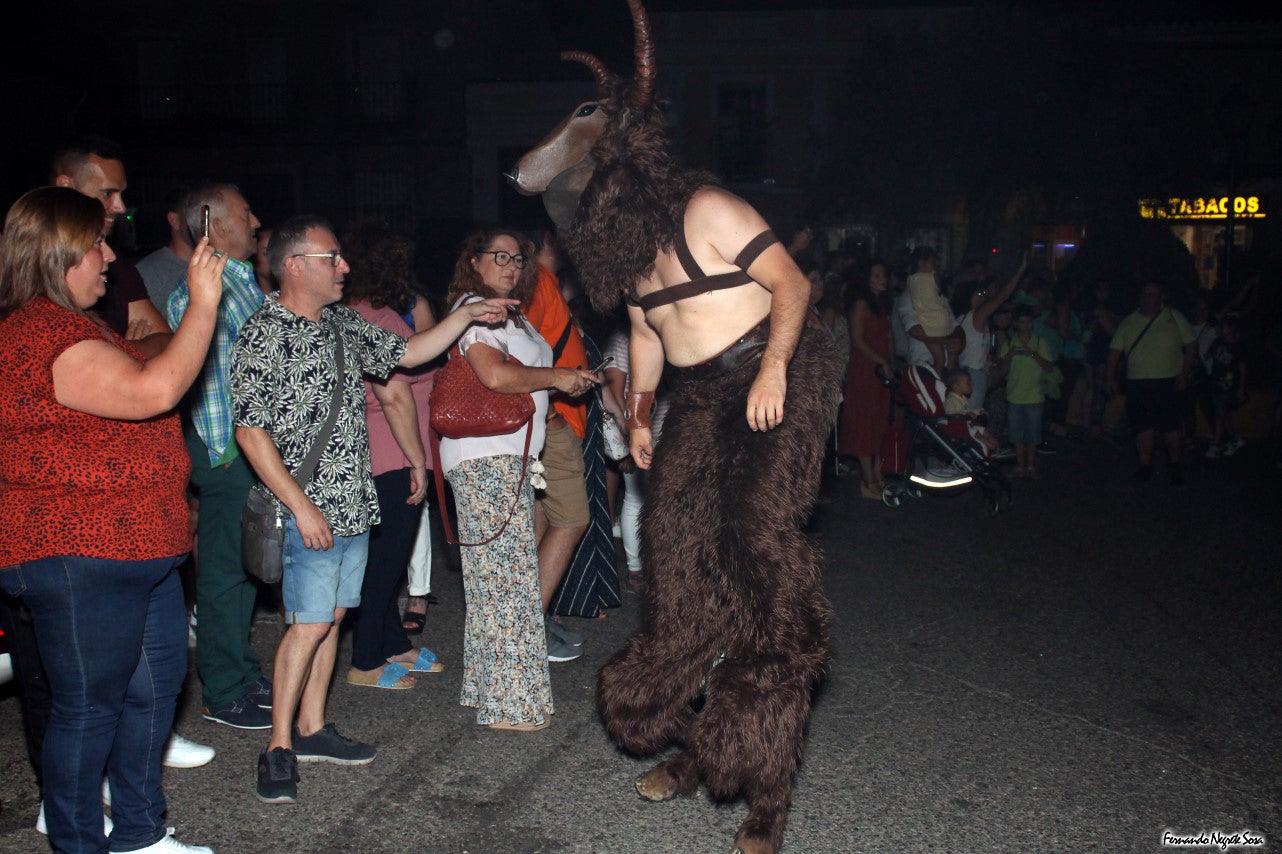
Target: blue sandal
390 678
425 663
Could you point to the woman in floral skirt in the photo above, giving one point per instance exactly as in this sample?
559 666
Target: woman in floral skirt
505 664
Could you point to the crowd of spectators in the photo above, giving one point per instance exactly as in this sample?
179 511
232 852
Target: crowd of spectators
207 370
161 394
1048 358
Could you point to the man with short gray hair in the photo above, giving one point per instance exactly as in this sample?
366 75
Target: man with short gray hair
296 367
234 690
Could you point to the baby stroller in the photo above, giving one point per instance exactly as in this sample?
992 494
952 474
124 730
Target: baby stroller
931 432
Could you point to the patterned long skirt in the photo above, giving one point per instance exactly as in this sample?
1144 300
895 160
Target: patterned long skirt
505 657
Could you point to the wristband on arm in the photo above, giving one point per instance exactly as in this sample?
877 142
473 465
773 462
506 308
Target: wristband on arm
637 409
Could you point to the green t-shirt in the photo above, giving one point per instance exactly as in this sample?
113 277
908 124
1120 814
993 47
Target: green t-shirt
1159 355
1024 382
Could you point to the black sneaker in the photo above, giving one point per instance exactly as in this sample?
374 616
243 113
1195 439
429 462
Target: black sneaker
1143 474
260 693
277 776
242 714
559 650
326 745
1175 474
1046 449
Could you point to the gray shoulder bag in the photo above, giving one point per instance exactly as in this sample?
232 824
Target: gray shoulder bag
262 524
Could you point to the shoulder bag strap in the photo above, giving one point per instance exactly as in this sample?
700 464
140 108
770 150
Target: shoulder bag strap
437 474
1136 342
308 467
559 347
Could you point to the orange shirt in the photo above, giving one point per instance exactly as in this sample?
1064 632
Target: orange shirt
72 483
549 314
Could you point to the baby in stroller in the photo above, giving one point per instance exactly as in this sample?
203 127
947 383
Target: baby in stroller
957 401
954 439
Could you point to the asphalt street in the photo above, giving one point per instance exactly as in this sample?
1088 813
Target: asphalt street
1094 667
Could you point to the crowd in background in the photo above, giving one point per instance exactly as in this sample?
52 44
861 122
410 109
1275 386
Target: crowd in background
1047 358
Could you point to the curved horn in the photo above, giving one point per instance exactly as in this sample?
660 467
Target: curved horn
643 82
599 70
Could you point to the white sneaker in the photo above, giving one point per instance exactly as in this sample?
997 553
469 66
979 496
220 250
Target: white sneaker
1232 446
169 845
41 827
184 753
1213 452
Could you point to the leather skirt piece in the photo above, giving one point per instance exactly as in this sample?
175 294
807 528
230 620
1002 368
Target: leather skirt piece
747 349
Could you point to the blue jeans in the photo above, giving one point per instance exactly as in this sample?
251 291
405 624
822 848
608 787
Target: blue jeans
113 636
318 581
1025 422
978 388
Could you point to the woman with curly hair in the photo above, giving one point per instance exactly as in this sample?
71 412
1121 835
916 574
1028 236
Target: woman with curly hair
380 287
505 660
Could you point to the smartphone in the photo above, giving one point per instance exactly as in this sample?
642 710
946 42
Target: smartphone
604 363
204 220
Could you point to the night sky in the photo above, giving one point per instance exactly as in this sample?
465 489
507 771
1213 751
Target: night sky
1044 96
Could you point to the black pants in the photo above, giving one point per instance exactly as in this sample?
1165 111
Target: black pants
29 671
377 634
1057 408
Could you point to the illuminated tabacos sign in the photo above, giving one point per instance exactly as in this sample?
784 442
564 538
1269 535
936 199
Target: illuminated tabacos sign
1244 207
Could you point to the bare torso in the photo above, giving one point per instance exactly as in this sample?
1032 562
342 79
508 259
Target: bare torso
699 327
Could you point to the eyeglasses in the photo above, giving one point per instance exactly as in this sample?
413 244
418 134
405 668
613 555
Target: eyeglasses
502 258
334 257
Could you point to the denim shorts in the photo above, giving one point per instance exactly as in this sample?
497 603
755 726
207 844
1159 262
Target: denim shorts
1024 422
316 582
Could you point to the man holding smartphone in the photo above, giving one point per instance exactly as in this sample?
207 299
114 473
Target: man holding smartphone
235 693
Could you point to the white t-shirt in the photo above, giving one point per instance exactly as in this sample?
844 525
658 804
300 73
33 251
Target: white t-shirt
516 338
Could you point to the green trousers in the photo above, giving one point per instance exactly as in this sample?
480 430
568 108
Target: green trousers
225 595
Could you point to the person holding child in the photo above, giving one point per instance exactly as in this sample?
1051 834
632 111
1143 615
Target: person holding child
933 315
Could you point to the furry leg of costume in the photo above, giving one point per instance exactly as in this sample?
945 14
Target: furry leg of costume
736 607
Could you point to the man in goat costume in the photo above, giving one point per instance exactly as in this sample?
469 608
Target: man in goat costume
736 614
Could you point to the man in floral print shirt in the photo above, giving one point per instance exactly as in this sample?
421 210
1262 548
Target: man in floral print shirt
282 382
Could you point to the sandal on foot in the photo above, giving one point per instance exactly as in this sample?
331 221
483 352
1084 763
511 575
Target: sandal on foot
413 622
425 663
511 727
869 490
393 677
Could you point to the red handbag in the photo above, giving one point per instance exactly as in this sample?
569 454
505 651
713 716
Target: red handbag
462 408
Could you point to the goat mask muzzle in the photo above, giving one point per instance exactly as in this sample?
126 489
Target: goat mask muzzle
561 198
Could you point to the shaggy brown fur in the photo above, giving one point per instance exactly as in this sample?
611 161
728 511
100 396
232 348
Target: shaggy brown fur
632 206
730 572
